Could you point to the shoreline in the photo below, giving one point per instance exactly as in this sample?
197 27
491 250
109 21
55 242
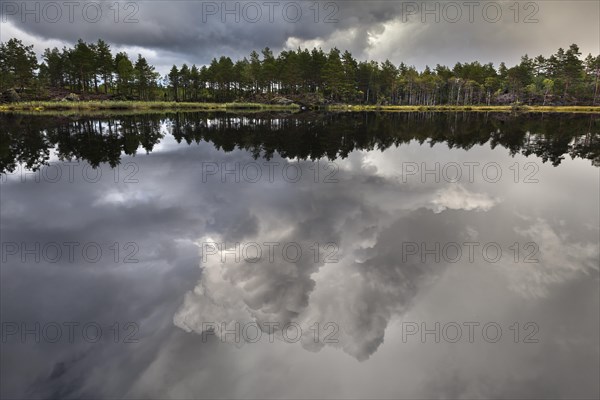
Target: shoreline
83 106
475 108
139 106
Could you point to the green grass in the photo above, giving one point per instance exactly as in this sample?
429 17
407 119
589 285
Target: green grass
137 105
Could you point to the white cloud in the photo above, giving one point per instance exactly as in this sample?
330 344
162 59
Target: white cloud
456 197
549 257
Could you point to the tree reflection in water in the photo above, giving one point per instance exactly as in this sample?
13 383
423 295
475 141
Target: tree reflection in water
28 139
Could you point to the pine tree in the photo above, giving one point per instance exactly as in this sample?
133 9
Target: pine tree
17 65
174 82
104 63
125 74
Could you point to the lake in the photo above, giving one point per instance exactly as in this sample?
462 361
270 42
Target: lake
270 255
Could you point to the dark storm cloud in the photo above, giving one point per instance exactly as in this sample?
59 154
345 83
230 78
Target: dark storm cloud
189 25
189 31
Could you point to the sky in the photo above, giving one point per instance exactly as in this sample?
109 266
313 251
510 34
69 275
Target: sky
171 210
416 33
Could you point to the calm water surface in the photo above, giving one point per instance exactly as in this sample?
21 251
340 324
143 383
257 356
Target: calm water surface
193 255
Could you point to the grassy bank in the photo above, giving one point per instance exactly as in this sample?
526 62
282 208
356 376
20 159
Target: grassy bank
536 109
141 106
83 106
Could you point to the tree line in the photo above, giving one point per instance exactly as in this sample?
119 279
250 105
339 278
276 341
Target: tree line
313 75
